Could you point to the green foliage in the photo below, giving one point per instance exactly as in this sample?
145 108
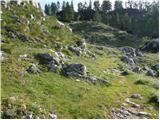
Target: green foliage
118 5
97 17
101 34
67 97
106 6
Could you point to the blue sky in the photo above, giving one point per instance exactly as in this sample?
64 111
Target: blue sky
75 2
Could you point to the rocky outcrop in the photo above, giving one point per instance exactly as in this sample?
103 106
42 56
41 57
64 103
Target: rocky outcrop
74 70
136 96
17 35
131 52
128 60
76 50
125 113
53 64
136 69
150 72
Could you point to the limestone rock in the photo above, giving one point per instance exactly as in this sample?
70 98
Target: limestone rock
33 69
150 72
128 60
74 70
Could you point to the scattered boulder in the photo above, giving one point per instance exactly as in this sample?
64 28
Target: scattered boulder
144 114
53 64
59 54
3 3
135 105
53 67
125 113
23 57
138 53
29 116
70 29
45 58
83 46
33 69
74 70
16 18
95 79
60 24
151 46
76 50
90 54
18 35
129 50
128 60
137 69
1 55
52 115
32 17
150 72
136 96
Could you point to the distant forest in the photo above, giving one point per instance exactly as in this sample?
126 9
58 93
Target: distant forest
139 18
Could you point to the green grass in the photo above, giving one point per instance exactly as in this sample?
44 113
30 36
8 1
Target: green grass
69 98
66 96
101 34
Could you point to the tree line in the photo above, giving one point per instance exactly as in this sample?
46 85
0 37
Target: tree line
136 17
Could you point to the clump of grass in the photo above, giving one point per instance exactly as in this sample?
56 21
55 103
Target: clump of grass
155 100
141 82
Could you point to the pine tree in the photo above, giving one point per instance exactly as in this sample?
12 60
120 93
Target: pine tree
58 6
97 17
96 5
90 5
46 9
118 5
53 9
106 6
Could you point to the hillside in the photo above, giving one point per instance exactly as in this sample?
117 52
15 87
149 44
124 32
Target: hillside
101 34
47 71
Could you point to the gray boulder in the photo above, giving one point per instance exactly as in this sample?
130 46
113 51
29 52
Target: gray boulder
45 58
1 55
90 54
53 67
74 70
18 35
136 96
95 79
23 37
76 50
33 69
129 50
128 60
150 72
151 46
137 69
138 53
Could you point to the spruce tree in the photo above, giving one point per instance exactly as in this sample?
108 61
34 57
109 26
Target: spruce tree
106 6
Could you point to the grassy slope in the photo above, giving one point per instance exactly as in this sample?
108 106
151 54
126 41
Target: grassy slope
69 98
101 34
